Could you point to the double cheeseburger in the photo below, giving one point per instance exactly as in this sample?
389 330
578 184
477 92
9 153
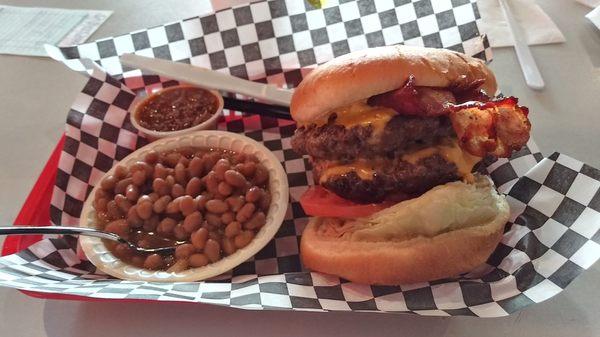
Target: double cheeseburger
394 136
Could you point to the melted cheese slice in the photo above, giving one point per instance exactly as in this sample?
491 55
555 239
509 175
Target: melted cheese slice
450 151
360 113
361 167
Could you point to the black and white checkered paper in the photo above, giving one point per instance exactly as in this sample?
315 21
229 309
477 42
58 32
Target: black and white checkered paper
551 238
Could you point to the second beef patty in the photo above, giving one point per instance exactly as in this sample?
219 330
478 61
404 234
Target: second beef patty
391 179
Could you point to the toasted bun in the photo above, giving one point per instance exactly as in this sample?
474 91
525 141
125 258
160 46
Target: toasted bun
401 259
373 71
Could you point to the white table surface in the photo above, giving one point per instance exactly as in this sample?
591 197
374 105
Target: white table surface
35 95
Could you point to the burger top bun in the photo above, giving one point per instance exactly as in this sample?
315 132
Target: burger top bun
373 71
449 230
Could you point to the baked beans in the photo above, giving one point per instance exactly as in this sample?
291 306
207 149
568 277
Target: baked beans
210 203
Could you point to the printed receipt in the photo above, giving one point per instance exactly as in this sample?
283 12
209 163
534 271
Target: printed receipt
25 30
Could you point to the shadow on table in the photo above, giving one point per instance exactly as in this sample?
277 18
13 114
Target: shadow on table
149 319
103 319
590 40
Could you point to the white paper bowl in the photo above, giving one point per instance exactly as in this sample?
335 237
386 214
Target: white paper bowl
209 124
103 259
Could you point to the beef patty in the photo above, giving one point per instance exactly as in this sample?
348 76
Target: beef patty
392 177
336 142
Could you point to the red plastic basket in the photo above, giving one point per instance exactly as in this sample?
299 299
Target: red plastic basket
36 209
36 212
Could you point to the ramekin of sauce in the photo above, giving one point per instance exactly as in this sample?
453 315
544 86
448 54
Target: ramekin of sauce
177 110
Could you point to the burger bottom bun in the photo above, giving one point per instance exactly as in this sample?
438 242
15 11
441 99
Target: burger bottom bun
394 262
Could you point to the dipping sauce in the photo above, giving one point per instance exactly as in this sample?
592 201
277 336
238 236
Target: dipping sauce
208 202
176 108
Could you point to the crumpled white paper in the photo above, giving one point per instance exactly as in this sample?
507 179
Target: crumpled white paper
589 3
594 16
537 26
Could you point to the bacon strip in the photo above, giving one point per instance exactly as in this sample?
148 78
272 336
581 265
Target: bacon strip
484 126
411 100
497 127
466 92
471 95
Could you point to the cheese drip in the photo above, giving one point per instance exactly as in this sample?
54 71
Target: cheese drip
361 167
450 151
361 114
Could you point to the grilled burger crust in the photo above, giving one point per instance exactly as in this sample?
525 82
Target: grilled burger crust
336 142
392 178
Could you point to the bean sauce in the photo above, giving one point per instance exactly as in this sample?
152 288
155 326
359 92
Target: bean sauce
209 202
177 108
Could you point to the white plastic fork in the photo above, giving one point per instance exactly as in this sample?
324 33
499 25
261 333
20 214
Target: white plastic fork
209 79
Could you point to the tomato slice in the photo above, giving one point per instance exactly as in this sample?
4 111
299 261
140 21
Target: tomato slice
318 201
